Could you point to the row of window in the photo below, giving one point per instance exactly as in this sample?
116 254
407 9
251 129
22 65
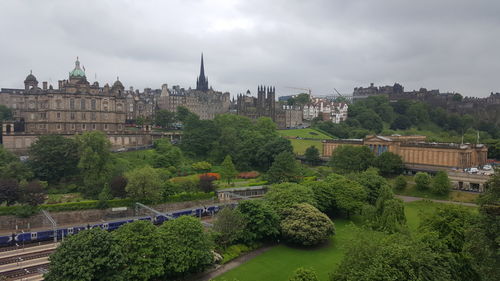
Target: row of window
72 116
73 126
73 103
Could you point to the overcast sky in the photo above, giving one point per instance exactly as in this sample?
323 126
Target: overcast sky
451 45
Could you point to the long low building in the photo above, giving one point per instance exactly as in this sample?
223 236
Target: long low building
417 153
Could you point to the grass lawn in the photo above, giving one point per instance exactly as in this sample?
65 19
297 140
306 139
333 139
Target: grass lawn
304 133
300 146
138 158
279 263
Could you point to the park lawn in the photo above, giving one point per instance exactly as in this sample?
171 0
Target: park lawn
300 146
281 261
304 133
137 158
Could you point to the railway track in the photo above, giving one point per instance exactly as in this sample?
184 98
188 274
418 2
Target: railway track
25 257
28 263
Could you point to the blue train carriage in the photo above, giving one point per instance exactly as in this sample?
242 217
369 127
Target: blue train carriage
6 240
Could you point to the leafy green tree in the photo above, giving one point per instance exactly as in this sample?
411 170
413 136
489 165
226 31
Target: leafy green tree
373 256
371 121
267 153
348 158
9 191
90 255
372 182
202 166
228 171
337 195
303 274
183 114
95 161
402 122
422 181
389 163
400 183
186 246
6 157
284 169
166 154
305 225
139 246
230 226
144 184
312 155
441 183
16 170
262 222
284 195
198 137
53 157
481 238
164 118
117 186
392 217
418 113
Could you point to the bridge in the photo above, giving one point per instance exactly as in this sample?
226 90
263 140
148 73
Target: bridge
469 182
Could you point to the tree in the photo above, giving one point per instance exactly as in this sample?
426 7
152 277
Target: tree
6 157
144 184
206 182
5 113
392 216
53 157
441 183
228 171
389 163
422 181
262 222
183 114
33 193
338 195
16 170
302 274
400 183
267 153
186 247
372 182
481 238
202 166
402 122
284 195
90 255
140 250
370 120
9 191
348 158
95 161
164 118
312 155
117 186
166 155
418 113
229 226
284 169
305 225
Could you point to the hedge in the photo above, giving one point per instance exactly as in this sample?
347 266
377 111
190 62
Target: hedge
94 204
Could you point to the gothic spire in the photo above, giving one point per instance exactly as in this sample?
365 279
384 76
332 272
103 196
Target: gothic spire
202 81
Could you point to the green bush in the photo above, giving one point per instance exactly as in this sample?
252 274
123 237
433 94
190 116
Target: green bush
258 183
237 250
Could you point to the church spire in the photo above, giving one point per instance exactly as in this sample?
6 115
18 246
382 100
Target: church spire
202 81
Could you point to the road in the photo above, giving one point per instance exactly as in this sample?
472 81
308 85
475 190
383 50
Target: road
411 199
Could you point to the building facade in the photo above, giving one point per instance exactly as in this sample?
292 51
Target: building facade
325 109
203 101
265 105
417 153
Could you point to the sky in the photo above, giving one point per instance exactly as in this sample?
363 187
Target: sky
322 45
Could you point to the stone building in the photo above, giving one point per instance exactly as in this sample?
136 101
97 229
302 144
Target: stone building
417 154
203 101
265 105
326 109
76 106
141 104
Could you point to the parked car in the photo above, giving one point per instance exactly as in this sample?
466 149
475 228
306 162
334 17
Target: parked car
473 170
487 167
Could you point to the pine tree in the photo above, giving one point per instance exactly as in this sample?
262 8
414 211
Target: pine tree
228 171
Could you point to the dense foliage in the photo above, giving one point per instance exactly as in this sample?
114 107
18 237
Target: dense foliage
348 158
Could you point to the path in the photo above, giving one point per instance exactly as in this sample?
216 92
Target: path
206 276
411 199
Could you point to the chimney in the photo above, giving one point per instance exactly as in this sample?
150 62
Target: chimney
60 84
45 85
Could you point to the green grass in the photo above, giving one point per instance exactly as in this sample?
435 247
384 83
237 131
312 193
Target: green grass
279 263
138 158
300 146
304 133
64 198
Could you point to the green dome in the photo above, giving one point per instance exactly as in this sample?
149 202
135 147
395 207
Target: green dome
77 72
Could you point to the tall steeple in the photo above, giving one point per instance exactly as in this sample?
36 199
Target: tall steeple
202 81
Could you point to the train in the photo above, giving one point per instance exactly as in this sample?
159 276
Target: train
48 234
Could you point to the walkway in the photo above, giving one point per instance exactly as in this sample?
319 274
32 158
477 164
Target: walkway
411 199
206 276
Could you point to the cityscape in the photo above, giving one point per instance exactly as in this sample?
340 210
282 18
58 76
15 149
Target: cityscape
275 168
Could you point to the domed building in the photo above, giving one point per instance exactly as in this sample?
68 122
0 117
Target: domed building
76 106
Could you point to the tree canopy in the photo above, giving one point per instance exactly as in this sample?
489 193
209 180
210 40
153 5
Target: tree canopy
144 184
348 158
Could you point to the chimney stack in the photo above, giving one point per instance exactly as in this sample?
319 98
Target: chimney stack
45 85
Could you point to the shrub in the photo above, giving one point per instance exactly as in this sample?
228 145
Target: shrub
248 175
187 183
422 181
400 183
215 175
441 183
206 183
237 250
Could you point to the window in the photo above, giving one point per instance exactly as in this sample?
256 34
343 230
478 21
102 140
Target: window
82 104
58 114
32 116
31 105
84 116
105 105
119 127
105 127
58 104
84 127
72 126
105 116
43 115
93 105
93 115
119 107
72 116
93 126
58 126
71 104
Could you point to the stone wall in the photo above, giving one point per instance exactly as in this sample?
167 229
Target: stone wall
9 224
